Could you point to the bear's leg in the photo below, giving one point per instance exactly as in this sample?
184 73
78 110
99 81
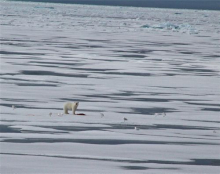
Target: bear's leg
66 111
73 109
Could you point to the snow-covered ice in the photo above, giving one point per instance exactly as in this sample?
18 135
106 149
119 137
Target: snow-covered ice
158 68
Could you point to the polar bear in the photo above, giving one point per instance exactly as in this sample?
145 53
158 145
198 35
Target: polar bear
70 106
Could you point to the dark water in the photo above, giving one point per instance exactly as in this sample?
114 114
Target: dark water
177 4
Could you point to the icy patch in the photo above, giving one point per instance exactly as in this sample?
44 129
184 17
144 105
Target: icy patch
184 28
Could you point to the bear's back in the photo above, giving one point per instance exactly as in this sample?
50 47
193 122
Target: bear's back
68 105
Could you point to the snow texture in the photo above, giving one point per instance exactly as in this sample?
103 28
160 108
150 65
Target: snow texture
147 80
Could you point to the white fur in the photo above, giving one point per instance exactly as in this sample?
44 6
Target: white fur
70 106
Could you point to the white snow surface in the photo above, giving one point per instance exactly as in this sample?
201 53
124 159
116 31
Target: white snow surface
159 68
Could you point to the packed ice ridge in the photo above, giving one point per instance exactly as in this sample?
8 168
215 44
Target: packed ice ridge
184 28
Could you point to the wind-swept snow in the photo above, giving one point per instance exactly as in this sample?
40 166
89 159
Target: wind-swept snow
147 80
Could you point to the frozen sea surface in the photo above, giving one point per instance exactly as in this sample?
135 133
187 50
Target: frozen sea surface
159 68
